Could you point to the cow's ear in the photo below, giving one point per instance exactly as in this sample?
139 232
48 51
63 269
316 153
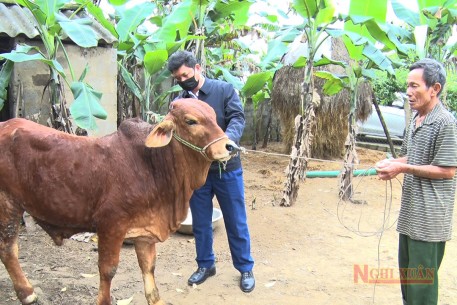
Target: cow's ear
161 134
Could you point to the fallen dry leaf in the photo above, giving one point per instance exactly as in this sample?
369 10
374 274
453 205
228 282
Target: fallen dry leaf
125 302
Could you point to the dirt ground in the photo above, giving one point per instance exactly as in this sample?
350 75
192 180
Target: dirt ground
314 252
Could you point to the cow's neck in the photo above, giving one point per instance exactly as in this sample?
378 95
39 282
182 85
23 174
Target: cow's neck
190 164
179 171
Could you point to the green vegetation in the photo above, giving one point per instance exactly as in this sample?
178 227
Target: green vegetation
451 92
386 86
244 47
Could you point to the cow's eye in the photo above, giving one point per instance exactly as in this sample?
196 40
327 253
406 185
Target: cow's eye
191 122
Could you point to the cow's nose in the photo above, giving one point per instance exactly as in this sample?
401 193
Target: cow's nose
232 147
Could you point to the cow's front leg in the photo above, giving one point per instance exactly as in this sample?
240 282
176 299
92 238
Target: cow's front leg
146 254
109 247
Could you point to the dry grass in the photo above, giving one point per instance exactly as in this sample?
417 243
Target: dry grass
331 126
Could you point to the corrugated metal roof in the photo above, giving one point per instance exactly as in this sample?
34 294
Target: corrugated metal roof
16 20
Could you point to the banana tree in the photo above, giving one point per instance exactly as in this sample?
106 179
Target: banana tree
430 32
366 59
259 83
237 57
191 24
52 27
5 75
364 27
135 101
174 26
257 88
431 27
213 35
221 23
208 28
144 49
317 16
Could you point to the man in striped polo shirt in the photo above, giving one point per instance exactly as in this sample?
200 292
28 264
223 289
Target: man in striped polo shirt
428 162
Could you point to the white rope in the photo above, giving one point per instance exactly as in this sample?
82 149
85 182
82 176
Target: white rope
386 213
244 150
384 226
387 204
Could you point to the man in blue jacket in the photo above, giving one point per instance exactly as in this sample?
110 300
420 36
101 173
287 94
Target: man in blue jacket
226 183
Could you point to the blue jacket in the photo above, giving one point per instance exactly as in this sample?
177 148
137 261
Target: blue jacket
229 113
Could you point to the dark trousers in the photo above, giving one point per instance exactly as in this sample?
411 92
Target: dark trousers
418 262
228 187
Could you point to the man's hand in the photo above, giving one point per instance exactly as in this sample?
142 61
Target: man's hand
388 169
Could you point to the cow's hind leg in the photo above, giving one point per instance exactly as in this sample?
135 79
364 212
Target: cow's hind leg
10 220
146 254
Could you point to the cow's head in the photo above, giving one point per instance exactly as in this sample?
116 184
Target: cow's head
193 123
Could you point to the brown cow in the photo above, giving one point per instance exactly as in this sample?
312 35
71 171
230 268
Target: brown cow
135 183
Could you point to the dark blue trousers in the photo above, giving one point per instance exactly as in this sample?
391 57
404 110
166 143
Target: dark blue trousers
229 190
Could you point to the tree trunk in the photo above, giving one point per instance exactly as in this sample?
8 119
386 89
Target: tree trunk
296 170
258 120
346 188
301 148
254 140
267 130
59 113
128 105
384 126
407 109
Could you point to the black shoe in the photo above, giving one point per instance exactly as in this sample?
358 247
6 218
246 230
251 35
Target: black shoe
247 281
201 275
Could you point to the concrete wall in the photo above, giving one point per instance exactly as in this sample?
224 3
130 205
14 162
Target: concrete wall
29 80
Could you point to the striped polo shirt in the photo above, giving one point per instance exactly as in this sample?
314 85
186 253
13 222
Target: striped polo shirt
427 204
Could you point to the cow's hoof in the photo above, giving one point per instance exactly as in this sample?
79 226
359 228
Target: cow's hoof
31 299
159 302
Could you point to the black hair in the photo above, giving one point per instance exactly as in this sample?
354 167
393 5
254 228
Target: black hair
434 72
180 58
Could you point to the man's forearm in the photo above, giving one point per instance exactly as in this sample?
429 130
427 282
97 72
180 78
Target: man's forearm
400 160
429 171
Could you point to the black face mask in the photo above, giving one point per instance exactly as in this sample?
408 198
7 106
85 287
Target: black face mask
189 84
